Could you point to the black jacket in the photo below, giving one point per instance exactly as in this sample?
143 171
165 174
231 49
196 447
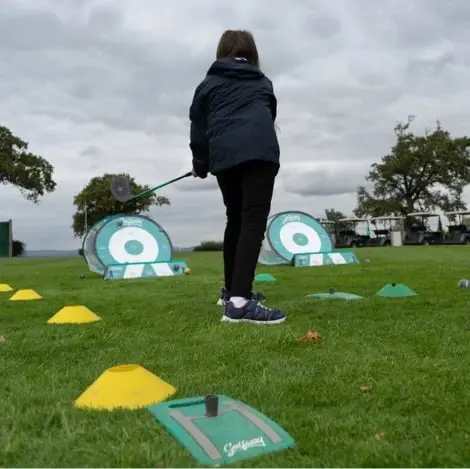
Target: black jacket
232 118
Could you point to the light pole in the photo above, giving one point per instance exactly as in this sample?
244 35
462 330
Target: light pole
86 218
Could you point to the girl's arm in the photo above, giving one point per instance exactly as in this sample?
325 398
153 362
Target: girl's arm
273 103
198 134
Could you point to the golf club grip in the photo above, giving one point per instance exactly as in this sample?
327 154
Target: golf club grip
185 175
156 188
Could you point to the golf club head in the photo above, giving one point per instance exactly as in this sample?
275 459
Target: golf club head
121 188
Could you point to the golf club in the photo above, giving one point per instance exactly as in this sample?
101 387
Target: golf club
122 190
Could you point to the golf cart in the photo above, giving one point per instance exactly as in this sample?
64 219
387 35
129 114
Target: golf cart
382 228
352 232
459 232
418 230
330 229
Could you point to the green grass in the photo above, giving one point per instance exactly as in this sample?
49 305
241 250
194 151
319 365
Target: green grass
413 352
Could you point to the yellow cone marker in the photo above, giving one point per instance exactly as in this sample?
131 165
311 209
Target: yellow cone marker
26 295
125 387
5 288
74 315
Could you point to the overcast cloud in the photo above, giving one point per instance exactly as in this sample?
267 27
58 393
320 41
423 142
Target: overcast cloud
105 85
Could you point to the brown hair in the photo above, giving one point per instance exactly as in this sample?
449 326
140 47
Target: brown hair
238 43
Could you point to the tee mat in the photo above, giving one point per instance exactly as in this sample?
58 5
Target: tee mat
237 431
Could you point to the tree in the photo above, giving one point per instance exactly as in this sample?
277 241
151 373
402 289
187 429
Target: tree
332 214
19 248
421 173
95 202
30 173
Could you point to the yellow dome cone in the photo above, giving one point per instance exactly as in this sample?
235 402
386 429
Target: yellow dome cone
126 387
74 315
5 288
26 295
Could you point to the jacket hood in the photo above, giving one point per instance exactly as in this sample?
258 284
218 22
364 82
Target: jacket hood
235 68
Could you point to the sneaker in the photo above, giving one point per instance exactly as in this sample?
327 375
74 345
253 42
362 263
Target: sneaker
253 312
224 298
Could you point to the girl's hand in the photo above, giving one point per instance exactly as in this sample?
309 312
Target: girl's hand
199 171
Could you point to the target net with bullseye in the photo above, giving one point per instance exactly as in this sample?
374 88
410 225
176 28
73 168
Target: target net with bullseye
297 238
131 246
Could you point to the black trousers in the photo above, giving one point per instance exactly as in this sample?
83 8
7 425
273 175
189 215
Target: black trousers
247 190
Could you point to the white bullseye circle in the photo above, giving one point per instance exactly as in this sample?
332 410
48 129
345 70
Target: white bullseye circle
117 245
289 230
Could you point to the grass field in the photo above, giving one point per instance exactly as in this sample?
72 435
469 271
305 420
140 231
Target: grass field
414 353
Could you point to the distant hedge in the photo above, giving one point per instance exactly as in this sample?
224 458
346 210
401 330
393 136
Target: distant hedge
19 248
210 246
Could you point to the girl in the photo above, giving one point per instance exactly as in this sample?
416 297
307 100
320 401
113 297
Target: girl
233 137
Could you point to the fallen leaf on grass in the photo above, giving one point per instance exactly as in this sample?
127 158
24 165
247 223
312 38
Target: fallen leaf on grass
2 339
379 434
365 388
310 336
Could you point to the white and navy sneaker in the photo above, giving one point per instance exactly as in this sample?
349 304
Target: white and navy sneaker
253 312
224 298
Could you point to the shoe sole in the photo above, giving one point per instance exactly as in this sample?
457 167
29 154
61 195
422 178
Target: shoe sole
251 321
221 302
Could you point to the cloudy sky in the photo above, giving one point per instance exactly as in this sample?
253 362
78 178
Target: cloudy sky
105 85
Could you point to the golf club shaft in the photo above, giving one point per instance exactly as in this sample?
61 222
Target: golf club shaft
156 188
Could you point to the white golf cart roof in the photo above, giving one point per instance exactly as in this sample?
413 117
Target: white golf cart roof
393 217
423 214
353 219
458 212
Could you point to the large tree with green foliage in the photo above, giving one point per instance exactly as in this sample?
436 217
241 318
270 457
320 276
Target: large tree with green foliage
420 173
30 173
95 201
332 214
